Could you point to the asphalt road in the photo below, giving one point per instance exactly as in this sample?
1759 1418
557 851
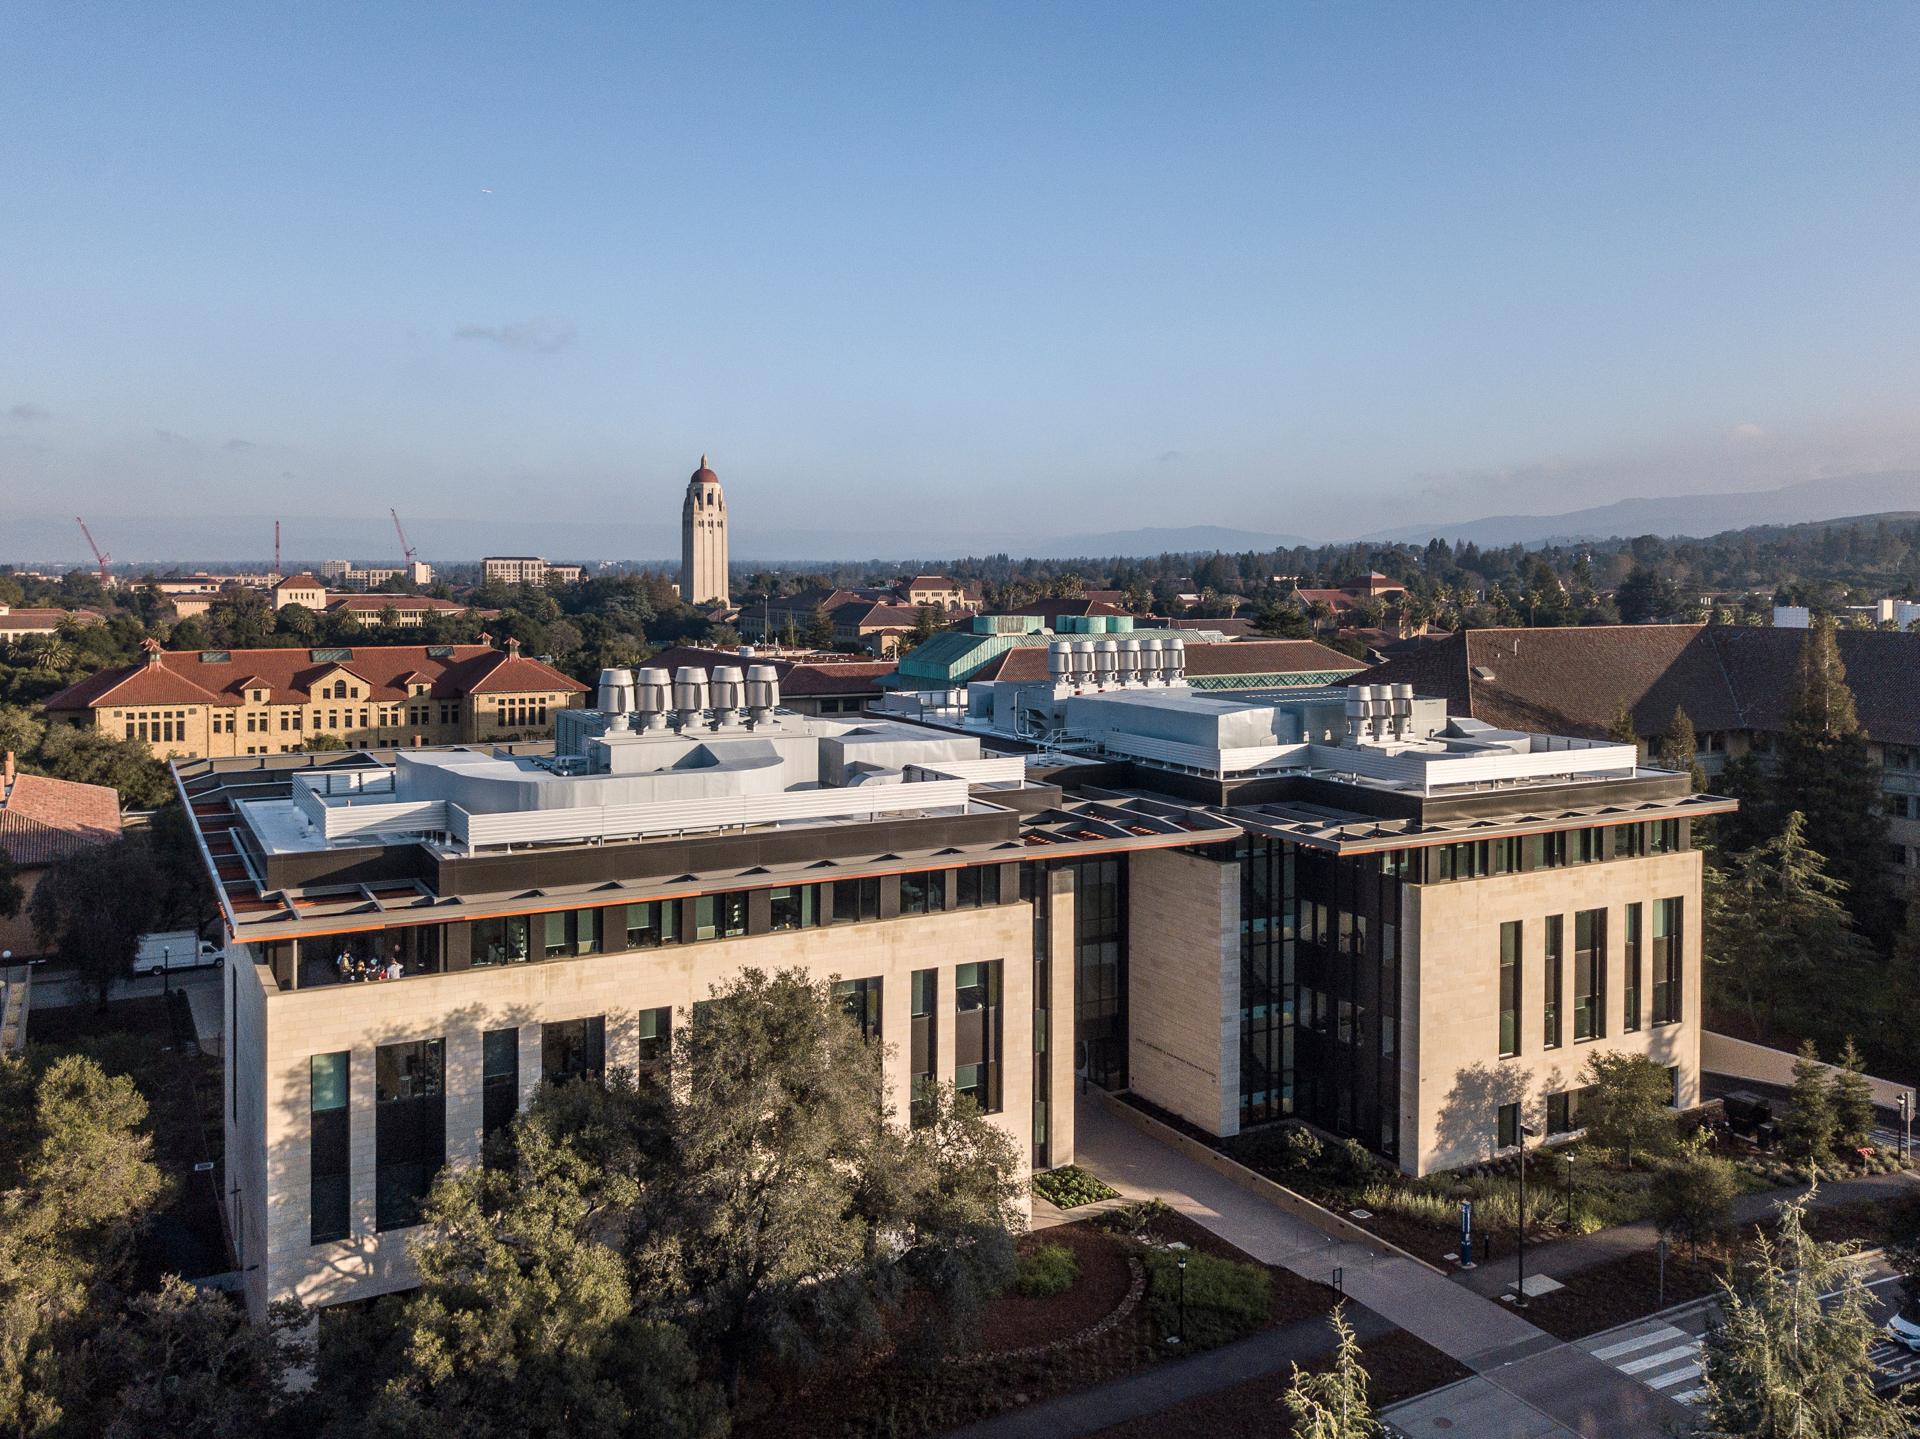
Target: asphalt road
57 988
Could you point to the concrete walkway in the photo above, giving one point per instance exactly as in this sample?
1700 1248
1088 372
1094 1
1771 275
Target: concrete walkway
1527 1384
1564 1258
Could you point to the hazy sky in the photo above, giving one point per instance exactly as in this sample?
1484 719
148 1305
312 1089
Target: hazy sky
1290 267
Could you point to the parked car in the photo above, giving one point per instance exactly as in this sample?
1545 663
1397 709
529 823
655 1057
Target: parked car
1904 1327
173 950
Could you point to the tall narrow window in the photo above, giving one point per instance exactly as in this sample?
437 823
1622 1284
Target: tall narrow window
1631 1007
409 1128
924 1047
328 1164
656 1042
1553 977
573 1049
1507 1123
976 1033
499 1084
1589 973
1666 961
862 1000
1510 989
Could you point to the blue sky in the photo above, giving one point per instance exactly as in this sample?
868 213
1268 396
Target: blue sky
1305 268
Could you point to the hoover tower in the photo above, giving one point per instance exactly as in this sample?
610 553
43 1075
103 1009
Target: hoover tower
703 540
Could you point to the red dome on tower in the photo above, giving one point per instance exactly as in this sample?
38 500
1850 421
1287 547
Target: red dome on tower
703 475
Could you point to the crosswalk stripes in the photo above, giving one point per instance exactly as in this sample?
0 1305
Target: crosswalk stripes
1660 1356
1667 1360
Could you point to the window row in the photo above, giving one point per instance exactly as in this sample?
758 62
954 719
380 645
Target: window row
409 1084
1522 853
648 924
1588 1008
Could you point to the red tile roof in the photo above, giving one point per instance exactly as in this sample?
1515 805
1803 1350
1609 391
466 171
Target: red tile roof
43 820
1726 677
862 614
184 677
15 618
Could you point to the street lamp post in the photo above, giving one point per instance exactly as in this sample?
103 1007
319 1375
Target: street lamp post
1906 1125
1520 1247
1181 1337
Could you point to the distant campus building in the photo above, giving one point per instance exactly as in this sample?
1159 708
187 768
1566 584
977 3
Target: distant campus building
191 703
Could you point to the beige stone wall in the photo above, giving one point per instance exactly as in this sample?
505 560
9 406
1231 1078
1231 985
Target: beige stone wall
1452 1079
246 1193
1183 986
460 1007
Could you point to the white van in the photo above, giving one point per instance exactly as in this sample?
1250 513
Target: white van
176 949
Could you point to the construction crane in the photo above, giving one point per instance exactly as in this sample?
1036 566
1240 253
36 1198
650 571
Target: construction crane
276 550
405 548
106 575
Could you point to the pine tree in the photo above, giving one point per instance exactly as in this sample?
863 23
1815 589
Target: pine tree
1333 1404
1827 773
1783 1364
1679 748
1852 1100
1620 727
1775 923
1808 1124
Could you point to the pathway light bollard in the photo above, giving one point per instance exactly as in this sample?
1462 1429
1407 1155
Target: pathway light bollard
1662 1248
1906 1125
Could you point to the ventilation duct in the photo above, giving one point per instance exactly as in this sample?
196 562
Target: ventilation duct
763 693
652 696
689 696
729 694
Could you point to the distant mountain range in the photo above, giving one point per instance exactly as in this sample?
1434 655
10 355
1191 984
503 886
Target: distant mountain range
215 539
1694 515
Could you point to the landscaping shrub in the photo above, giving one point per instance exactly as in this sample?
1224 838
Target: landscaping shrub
1047 1271
1070 1186
1134 1220
1303 1147
1225 1299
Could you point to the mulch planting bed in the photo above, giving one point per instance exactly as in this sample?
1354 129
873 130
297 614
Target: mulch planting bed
889 1398
1398 1365
1014 1321
1624 1289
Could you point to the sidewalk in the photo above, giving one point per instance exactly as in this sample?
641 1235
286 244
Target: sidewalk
1528 1385
1564 1258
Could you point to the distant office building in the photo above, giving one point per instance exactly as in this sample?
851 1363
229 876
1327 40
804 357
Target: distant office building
527 570
20 624
345 575
703 541
190 703
397 611
304 589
